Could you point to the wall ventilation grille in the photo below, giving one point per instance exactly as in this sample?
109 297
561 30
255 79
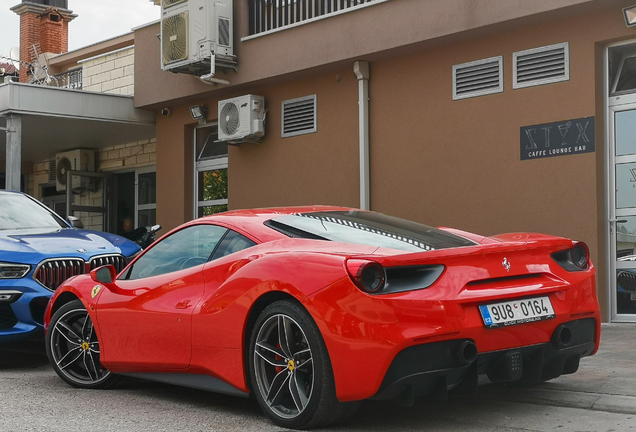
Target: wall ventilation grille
299 116
539 66
478 78
52 170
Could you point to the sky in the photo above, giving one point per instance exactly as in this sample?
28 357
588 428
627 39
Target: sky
97 20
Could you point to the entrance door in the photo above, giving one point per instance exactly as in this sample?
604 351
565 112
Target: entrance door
622 211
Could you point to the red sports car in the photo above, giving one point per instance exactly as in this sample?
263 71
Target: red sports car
312 309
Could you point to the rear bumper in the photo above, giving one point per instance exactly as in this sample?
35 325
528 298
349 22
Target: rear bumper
442 368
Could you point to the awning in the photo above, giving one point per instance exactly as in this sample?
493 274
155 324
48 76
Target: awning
55 120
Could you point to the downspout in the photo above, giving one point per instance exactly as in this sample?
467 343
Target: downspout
361 70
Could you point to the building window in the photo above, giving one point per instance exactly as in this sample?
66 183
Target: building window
622 69
537 66
478 78
211 185
299 116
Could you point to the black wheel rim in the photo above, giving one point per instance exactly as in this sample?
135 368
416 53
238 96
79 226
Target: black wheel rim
283 366
75 348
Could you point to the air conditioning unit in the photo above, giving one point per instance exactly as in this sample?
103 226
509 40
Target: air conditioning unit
74 160
242 119
195 31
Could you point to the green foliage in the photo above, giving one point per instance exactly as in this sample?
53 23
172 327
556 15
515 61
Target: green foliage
215 185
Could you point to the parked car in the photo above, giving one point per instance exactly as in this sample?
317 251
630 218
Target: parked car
312 309
38 252
626 290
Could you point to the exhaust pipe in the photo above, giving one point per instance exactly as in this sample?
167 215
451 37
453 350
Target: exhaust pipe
562 336
467 352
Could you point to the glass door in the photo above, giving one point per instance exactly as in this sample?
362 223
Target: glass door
211 185
622 212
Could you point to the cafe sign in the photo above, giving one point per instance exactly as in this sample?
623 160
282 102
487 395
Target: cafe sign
558 139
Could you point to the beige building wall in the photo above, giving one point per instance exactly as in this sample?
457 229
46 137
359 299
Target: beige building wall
110 72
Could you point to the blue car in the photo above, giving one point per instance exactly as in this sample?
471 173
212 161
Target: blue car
38 251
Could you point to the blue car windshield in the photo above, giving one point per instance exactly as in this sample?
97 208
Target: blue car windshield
366 228
20 212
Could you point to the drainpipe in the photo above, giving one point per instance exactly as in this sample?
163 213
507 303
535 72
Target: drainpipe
361 70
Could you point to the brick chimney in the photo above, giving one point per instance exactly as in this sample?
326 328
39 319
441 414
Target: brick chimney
43 29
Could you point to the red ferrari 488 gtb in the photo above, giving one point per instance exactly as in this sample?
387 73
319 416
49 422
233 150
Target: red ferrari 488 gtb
312 309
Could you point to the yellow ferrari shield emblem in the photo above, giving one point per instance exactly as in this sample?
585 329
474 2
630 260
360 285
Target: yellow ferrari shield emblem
291 365
95 290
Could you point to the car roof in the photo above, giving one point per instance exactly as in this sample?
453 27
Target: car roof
252 221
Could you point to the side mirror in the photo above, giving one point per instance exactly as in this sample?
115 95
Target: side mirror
75 222
105 274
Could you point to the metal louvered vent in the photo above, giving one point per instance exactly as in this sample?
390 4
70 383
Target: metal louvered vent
539 66
224 31
51 273
478 78
299 116
174 38
117 261
52 170
168 3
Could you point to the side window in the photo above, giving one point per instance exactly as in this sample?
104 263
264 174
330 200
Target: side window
232 242
187 248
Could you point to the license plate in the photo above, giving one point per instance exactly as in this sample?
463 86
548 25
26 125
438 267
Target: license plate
516 312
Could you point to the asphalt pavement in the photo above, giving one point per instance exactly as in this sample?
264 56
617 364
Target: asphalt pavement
601 396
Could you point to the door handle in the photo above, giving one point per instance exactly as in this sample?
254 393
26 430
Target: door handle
183 304
618 220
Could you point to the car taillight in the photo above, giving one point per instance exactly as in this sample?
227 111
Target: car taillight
576 258
580 255
369 276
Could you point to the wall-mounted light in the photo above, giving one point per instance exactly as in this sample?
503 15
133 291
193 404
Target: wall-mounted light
199 113
629 13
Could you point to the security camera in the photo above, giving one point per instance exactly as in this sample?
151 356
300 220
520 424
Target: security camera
165 111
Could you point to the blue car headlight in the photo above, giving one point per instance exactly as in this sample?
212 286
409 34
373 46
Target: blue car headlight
13 271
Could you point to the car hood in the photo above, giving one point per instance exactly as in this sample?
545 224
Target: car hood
30 246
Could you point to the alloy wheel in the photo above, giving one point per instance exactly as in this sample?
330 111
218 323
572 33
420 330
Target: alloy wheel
283 366
74 349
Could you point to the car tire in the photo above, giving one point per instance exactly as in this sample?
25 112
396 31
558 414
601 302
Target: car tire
73 349
290 370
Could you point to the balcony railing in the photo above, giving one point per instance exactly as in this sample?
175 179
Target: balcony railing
70 80
266 15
